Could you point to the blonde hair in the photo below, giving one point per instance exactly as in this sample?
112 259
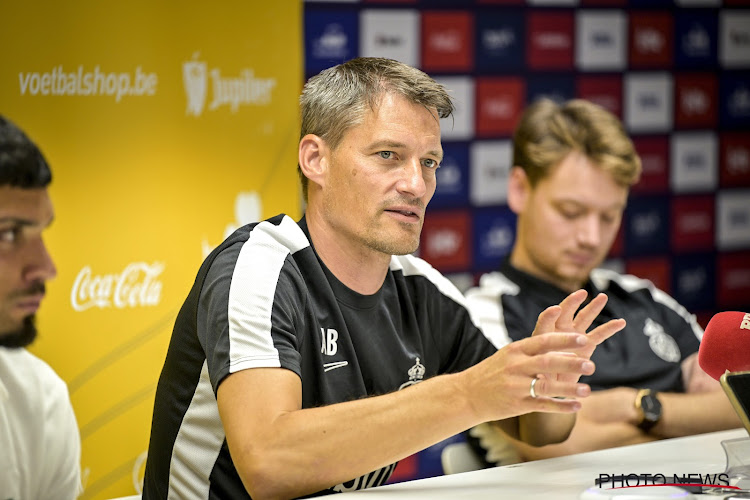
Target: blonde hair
337 98
548 132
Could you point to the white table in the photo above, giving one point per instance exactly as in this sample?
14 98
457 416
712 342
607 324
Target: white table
567 477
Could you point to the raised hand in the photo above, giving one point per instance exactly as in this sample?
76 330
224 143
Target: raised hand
563 318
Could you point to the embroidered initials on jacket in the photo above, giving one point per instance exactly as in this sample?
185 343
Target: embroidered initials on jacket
328 339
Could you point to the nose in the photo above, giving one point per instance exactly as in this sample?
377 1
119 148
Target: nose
40 266
590 231
412 181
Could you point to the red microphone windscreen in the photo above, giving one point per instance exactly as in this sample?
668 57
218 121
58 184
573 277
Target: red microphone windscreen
726 344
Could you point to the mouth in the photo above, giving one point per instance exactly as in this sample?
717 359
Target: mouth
410 215
30 304
582 259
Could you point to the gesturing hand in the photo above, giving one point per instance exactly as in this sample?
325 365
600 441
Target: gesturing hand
563 318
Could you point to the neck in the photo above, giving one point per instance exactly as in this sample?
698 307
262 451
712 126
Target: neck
359 268
523 262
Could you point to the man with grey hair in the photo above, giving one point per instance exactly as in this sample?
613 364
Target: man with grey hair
311 356
40 448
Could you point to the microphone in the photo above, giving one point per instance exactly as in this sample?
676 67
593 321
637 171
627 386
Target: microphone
726 344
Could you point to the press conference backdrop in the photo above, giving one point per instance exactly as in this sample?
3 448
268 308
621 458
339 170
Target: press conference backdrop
676 72
166 125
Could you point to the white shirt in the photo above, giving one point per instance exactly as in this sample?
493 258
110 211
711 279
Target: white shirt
40 446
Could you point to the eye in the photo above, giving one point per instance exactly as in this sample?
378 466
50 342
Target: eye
430 163
10 235
609 219
570 214
386 155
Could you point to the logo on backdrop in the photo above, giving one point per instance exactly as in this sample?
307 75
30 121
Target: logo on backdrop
737 159
444 241
696 42
248 208
243 90
138 285
332 44
88 83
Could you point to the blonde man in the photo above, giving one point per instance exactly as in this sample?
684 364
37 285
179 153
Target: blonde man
573 165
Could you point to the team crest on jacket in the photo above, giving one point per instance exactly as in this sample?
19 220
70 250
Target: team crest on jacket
661 342
416 374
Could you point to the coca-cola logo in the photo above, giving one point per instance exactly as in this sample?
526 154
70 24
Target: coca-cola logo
137 285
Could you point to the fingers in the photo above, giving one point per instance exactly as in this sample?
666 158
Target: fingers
588 314
550 388
569 306
556 364
605 331
549 405
547 320
555 341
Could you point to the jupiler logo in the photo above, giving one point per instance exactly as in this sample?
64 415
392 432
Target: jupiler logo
137 285
243 90
194 77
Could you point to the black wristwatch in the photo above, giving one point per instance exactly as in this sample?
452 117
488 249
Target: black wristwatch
649 409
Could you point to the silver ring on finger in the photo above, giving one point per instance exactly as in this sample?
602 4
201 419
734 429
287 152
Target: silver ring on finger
532 392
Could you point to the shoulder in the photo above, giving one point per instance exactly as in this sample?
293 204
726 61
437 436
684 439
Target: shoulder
257 246
30 367
604 279
634 290
412 268
492 286
612 282
279 234
29 377
484 303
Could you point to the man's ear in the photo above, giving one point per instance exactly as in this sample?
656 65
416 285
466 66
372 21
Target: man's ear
519 190
314 157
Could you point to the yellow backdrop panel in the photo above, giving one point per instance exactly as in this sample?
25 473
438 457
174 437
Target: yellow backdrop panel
167 124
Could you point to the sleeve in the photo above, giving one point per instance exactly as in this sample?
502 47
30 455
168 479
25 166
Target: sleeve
248 310
463 343
470 347
485 302
61 464
681 325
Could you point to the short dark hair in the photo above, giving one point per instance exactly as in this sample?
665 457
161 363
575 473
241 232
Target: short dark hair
337 98
22 164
